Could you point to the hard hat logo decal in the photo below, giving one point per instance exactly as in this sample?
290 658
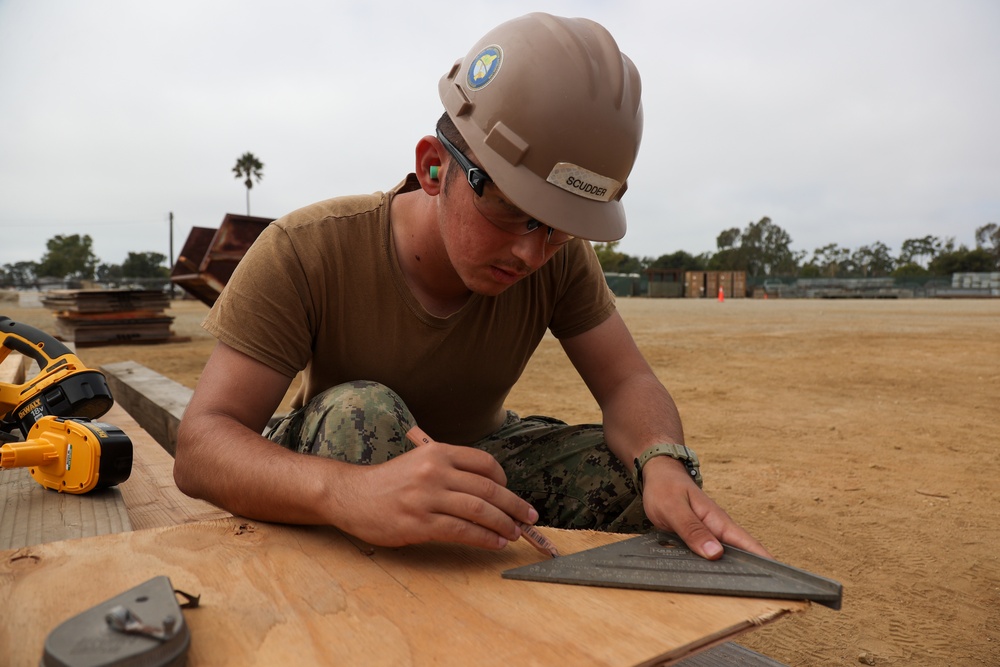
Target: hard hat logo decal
484 67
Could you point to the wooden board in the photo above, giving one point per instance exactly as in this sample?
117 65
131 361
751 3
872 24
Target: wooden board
151 498
103 301
31 514
10 368
156 402
298 595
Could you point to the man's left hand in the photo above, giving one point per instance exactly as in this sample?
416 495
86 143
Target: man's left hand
673 501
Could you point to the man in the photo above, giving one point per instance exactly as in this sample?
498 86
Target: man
423 305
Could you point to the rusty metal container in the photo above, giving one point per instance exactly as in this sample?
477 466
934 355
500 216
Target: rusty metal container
210 256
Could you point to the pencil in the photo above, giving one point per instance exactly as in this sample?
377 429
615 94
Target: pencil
418 437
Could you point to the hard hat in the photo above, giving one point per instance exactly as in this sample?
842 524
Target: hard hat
552 111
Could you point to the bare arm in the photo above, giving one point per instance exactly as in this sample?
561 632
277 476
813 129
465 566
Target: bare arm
638 413
221 456
438 492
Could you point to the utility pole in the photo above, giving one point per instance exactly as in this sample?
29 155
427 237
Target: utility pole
171 267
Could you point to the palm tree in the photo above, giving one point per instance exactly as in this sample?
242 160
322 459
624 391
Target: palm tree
250 167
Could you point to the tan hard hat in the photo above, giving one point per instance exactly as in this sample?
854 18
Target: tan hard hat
552 111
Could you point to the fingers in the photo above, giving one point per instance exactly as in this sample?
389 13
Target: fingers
729 532
707 542
676 503
447 528
474 488
480 476
439 492
695 534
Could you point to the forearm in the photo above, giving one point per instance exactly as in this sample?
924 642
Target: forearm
638 410
640 414
440 492
223 462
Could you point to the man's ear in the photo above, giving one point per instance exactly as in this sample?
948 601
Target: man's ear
429 171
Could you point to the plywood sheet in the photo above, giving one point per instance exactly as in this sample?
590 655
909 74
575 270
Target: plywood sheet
294 595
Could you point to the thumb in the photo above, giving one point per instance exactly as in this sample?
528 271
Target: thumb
698 537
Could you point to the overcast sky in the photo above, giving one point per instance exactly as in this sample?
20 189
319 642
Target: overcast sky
847 122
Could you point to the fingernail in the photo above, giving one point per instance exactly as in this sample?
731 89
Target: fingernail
532 515
502 542
711 549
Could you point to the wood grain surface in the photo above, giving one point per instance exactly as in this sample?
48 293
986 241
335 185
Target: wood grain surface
297 595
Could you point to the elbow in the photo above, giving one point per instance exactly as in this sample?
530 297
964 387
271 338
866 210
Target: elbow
182 478
185 465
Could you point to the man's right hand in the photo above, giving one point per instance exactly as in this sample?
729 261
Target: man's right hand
436 492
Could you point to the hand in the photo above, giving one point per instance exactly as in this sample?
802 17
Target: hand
436 492
674 502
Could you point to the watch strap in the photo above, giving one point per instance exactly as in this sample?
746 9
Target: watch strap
682 453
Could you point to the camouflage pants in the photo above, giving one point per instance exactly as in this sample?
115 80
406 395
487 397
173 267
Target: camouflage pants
566 472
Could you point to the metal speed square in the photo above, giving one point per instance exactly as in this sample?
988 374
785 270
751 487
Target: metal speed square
660 561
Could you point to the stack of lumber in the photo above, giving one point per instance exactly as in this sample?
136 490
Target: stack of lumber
106 317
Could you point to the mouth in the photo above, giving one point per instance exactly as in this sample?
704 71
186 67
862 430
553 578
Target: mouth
506 276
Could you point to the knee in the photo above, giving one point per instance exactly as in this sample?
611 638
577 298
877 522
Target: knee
360 421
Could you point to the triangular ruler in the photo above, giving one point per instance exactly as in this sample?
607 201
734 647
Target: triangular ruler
659 561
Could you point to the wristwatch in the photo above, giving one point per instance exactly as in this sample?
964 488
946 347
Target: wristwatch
682 453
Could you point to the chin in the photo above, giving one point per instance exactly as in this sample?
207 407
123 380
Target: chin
488 287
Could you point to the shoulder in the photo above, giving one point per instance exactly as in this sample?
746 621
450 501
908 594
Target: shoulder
337 208
350 207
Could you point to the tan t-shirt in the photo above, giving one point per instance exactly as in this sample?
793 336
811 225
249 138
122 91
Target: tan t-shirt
321 291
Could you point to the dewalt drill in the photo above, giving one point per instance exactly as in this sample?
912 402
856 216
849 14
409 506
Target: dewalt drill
64 449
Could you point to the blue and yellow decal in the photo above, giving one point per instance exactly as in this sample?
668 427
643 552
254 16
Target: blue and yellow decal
484 67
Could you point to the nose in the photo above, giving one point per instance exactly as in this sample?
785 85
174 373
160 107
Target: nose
532 249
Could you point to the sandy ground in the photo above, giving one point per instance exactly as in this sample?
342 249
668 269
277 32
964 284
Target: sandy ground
859 440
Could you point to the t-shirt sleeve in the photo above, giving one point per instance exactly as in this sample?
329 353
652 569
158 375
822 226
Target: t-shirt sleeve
585 300
264 311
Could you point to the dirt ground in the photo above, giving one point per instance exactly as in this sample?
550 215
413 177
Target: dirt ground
859 440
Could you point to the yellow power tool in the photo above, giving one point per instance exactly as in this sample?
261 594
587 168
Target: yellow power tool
63 448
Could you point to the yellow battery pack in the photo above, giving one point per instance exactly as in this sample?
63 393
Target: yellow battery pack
71 455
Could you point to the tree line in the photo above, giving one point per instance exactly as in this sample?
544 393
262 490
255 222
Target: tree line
763 250
71 258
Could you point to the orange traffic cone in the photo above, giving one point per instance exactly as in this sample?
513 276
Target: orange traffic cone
722 295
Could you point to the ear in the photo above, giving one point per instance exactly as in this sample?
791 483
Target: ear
429 153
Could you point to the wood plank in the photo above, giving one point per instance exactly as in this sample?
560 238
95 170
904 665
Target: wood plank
15 368
156 402
276 594
104 300
151 498
10 367
31 514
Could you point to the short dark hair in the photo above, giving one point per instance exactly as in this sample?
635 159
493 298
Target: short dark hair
446 126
